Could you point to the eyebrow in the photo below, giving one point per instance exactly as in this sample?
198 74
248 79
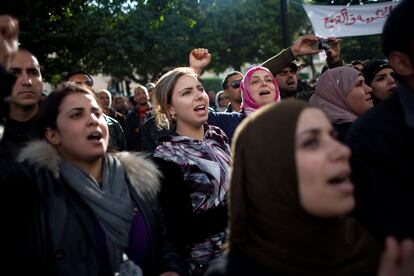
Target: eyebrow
312 131
184 89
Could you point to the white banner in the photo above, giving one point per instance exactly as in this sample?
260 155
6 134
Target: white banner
353 20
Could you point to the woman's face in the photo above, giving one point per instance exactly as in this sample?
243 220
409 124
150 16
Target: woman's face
262 88
383 84
325 188
189 103
82 132
359 99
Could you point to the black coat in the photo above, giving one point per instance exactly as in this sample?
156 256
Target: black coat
66 228
382 161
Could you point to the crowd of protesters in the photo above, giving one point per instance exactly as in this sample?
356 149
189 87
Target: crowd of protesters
270 176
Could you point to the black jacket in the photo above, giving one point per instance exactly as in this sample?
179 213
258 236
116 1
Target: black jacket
65 228
382 145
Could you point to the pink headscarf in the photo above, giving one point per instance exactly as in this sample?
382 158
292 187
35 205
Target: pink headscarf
331 91
249 104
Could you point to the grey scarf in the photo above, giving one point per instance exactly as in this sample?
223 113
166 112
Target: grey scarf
110 202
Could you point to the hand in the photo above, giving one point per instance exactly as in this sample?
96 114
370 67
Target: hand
397 260
334 53
9 32
169 273
305 45
199 59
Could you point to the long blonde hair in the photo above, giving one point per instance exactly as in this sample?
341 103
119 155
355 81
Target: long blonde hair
162 94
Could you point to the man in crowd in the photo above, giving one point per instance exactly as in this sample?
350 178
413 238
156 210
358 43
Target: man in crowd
136 118
231 87
23 101
105 101
290 86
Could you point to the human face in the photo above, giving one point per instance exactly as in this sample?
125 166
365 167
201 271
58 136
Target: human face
325 188
223 99
359 99
104 100
359 67
140 97
82 133
262 88
234 93
287 80
81 79
383 84
121 104
27 90
189 103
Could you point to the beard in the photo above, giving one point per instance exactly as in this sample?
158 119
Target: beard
287 93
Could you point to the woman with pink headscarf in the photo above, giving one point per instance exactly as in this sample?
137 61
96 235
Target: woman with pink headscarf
258 88
343 94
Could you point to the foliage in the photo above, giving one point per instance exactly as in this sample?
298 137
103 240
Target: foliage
138 40
212 84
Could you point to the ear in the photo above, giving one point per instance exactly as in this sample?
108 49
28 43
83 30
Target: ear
52 136
401 63
171 110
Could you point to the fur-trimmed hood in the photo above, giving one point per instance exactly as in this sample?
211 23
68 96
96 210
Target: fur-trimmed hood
141 172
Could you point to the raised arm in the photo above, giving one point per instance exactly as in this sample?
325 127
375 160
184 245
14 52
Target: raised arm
199 59
304 45
9 31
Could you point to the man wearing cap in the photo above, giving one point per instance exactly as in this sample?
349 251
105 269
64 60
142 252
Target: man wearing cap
290 86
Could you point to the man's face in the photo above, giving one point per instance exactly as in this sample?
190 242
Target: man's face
27 89
233 88
140 97
81 79
104 100
287 80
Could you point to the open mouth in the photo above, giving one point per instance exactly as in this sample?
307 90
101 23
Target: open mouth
340 178
264 92
96 136
200 107
290 82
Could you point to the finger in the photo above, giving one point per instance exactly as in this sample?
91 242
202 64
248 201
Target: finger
9 27
389 257
407 250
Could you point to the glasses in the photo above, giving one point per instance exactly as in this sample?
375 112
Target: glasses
223 98
235 84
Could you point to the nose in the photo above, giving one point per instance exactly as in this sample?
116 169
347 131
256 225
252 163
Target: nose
367 88
340 151
26 79
93 119
391 79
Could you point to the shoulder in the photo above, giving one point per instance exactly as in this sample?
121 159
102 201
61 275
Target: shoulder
141 172
39 154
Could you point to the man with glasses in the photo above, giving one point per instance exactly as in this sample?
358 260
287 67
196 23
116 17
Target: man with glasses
231 86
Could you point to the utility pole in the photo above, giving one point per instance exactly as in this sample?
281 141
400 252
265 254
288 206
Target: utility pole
285 29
